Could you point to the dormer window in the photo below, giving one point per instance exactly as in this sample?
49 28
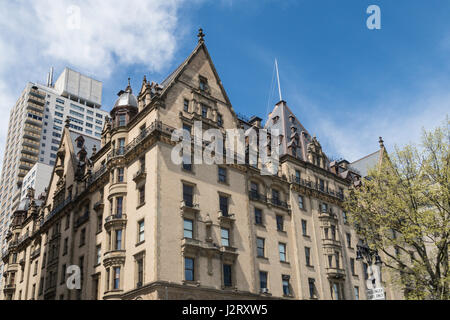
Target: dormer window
291 119
275 119
122 120
220 120
203 84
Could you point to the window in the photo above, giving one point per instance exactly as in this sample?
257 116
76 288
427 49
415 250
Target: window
312 288
122 120
67 222
98 256
308 256
189 269
119 203
254 189
227 275
336 291
186 105
142 195
99 222
188 229
188 195
220 120
260 242
204 111
321 185
356 289
203 85
344 217
280 223
333 232
118 239
140 272
286 286
225 234
222 175
349 240
305 227
301 203
263 280
66 246
275 196
141 231
82 237
323 208
120 172
223 204
352 266
258 216
116 284
282 249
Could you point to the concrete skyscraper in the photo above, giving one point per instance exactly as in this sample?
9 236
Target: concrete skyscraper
35 130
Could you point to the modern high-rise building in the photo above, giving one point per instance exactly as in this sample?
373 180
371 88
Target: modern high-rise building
35 130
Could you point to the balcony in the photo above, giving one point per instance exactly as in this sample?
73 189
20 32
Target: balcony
114 257
255 196
36 253
140 175
335 273
189 205
229 254
56 210
118 220
9 288
226 217
279 203
317 187
331 243
116 153
190 245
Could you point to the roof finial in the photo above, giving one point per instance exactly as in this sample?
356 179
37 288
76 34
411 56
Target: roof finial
128 89
200 35
381 143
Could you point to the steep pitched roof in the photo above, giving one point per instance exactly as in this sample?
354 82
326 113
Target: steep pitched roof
170 80
290 127
363 165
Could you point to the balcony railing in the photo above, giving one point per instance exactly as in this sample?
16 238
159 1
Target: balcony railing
116 216
278 202
317 187
56 210
82 219
253 195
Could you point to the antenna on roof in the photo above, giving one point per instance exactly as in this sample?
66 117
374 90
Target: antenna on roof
278 79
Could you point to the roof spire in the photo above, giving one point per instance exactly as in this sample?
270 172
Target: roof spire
278 79
200 35
128 89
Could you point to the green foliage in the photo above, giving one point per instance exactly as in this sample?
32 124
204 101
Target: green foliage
403 210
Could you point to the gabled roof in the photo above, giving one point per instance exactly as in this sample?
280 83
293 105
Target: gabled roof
170 80
285 125
363 165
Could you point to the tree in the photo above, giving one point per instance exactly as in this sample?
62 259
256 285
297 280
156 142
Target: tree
402 209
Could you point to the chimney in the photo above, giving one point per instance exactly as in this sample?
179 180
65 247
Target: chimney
255 121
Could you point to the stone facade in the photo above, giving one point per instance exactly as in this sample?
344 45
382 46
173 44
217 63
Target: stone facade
141 227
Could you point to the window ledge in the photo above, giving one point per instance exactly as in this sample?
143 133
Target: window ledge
285 262
260 225
140 243
140 205
282 232
263 258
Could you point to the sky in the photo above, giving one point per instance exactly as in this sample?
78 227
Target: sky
347 85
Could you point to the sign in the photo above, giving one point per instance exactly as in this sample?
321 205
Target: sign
376 294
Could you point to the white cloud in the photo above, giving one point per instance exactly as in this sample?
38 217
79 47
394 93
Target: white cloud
94 36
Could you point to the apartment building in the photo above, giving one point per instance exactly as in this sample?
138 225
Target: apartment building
139 226
35 130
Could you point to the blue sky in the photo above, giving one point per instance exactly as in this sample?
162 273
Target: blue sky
347 84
